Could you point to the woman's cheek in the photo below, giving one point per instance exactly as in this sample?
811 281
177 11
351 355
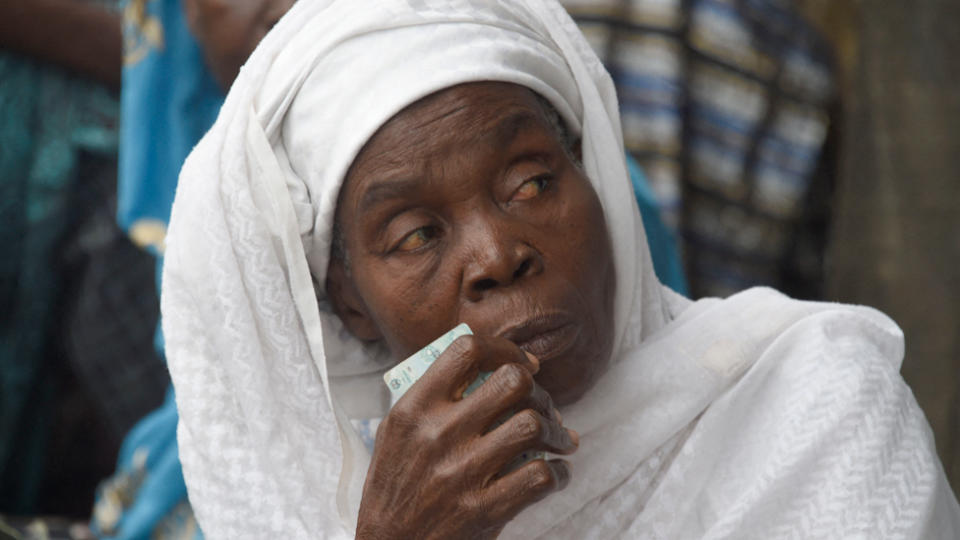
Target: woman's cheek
409 310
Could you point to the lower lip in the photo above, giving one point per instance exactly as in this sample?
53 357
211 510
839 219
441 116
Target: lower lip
552 343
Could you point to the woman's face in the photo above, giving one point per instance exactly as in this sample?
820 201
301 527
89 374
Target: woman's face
467 207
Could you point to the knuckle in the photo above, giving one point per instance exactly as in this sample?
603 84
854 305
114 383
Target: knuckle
465 347
528 425
401 414
472 504
413 425
477 509
431 434
515 380
396 420
407 423
540 477
447 473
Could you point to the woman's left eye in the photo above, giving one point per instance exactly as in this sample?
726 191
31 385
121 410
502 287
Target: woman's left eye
531 188
417 239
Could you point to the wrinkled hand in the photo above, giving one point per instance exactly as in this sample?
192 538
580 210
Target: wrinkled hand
437 467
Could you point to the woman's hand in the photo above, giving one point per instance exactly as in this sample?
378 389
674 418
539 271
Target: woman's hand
437 468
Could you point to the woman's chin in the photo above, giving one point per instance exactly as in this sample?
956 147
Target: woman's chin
567 386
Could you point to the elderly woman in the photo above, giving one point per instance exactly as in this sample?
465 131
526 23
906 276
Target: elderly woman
384 171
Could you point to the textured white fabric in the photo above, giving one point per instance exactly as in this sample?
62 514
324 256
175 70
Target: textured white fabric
819 438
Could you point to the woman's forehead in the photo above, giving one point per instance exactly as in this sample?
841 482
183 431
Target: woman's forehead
460 112
443 121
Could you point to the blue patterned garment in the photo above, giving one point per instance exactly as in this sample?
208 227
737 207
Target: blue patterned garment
168 101
726 105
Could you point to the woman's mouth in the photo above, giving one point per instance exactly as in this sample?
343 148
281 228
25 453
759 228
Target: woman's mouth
545 336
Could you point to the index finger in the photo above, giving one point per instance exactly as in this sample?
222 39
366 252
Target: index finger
464 360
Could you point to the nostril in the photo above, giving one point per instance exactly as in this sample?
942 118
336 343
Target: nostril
484 285
522 269
494 274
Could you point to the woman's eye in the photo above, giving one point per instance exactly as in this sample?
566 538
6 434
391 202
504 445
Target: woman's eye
417 239
531 188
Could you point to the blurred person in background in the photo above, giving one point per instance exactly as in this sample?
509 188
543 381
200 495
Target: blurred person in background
179 59
729 106
75 371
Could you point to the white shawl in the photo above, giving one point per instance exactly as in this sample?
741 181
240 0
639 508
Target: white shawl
756 416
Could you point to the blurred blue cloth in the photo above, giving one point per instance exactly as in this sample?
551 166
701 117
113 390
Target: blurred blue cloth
168 101
51 121
147 495
661 239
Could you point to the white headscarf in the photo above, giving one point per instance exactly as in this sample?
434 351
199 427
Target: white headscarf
267 378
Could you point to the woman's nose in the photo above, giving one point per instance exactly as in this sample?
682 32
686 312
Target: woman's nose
497 260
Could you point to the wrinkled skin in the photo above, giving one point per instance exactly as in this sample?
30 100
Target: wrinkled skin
229 30
468 207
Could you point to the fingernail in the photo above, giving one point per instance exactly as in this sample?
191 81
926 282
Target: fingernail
559 417
533 360
574 436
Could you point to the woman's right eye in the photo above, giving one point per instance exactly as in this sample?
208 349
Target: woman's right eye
532 188
417 239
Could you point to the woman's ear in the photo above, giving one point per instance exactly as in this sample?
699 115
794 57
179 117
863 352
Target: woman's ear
348 305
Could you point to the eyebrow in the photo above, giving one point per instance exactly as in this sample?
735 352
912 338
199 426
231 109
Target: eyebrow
507 129
386 190
503 134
